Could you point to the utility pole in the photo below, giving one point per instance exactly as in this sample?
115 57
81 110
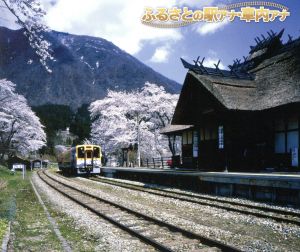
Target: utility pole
138 142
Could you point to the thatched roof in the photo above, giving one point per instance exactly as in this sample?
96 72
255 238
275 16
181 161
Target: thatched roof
276 82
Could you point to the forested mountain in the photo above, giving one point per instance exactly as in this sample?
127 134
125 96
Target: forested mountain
84 68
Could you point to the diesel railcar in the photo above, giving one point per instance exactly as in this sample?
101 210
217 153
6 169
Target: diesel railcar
81 159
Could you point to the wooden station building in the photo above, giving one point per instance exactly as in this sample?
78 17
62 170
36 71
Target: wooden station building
246 118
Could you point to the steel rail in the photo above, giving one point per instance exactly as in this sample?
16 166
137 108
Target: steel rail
204 240
162 193
143 238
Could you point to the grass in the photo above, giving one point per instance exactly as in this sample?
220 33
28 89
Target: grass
30 230
3 228
7 209
78 238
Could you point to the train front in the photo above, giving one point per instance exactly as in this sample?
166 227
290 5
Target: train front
88 159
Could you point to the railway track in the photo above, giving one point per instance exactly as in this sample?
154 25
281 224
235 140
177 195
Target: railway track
258 211
157 233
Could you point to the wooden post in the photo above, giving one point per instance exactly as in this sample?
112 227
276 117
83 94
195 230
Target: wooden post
147 163
24 170
153 162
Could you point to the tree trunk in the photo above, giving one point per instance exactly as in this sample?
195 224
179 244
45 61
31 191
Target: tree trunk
172 145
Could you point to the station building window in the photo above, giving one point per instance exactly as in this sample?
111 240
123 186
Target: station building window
221 137
187 137
187 144
213 133
201 134
190 137
286 135
184 138
208 133
195 144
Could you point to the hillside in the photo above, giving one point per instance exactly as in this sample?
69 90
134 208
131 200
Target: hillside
84 68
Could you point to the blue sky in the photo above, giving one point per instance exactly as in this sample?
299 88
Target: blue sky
119 21
231 41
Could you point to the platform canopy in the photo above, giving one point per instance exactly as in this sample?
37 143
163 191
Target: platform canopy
175 129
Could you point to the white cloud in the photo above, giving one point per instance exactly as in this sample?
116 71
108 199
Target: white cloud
115 20
209 62
7 19
161 55
212 53
211 27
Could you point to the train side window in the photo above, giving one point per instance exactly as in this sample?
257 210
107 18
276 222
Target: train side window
81 152
96 152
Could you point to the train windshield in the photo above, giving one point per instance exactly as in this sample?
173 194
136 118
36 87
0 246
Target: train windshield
81 152
88 154
96 152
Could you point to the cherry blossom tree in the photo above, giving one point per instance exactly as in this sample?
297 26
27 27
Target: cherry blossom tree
161 113
28 14
111 128
124 118
20 129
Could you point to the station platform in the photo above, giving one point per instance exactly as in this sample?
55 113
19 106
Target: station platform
283 188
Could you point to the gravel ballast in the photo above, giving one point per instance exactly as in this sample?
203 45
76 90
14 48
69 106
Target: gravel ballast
109 237
246 232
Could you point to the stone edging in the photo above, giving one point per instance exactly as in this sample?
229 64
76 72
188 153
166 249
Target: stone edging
6 239
53 223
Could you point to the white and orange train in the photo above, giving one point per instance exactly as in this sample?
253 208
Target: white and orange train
81 159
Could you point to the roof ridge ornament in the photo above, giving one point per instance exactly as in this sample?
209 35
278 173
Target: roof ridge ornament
218 69
266 46
273 37
235 69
